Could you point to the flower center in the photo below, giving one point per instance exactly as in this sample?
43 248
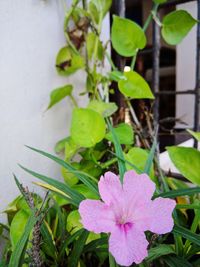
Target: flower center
123 224
125 227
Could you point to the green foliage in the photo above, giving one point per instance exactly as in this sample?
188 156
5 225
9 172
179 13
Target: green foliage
187 161
160 1
68 62
158 251
196 135
124 133
58 94
127 36
17 226
94 138
134 86
18 252
105 109
138 157
90 43
98 9
91 127
176 25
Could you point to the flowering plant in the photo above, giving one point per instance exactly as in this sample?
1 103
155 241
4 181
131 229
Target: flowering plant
133 222
126 213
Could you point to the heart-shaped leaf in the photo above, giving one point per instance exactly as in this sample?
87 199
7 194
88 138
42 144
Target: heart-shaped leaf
127 36
87 127
105 109
187 161
59 93
124 133
176 25
135 86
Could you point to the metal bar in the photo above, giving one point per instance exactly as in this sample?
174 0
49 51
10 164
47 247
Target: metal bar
174 2
155 73
197 95
187 92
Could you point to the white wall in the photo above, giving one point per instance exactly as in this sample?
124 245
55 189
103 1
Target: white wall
31 34
185 67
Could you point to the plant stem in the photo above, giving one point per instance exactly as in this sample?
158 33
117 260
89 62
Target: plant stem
110 61
146 24
73 100
108 163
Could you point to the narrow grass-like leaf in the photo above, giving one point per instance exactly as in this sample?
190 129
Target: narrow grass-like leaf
78 248
118 150
176 261
150 157
187 206
157 252
20 247
187 234
95 244
180 192
67 242
127 162
83 177
47 240
75 197
112 262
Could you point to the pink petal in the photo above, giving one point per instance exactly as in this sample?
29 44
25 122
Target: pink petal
128 245
160 219
96 216
110 188
138 187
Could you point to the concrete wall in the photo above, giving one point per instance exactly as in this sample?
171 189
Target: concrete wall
31 34
185 69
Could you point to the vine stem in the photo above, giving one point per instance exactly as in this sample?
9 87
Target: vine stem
146 24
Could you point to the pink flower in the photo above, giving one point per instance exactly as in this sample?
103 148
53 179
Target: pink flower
127 212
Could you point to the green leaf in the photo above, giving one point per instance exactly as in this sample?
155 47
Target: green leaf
83 177
187 161
87 127
98 9
18 252
180 192
48 244
127 36
17 226
119 152
116 75
90 43
70 178
93 245
138 157
62 189
135 86
160 1
187 206
70 148
77 250
150 158
176 25
60 145
58 94
196 135
68 62
187 234
85 191
124 133
175 261
158 251
103 108
74 222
